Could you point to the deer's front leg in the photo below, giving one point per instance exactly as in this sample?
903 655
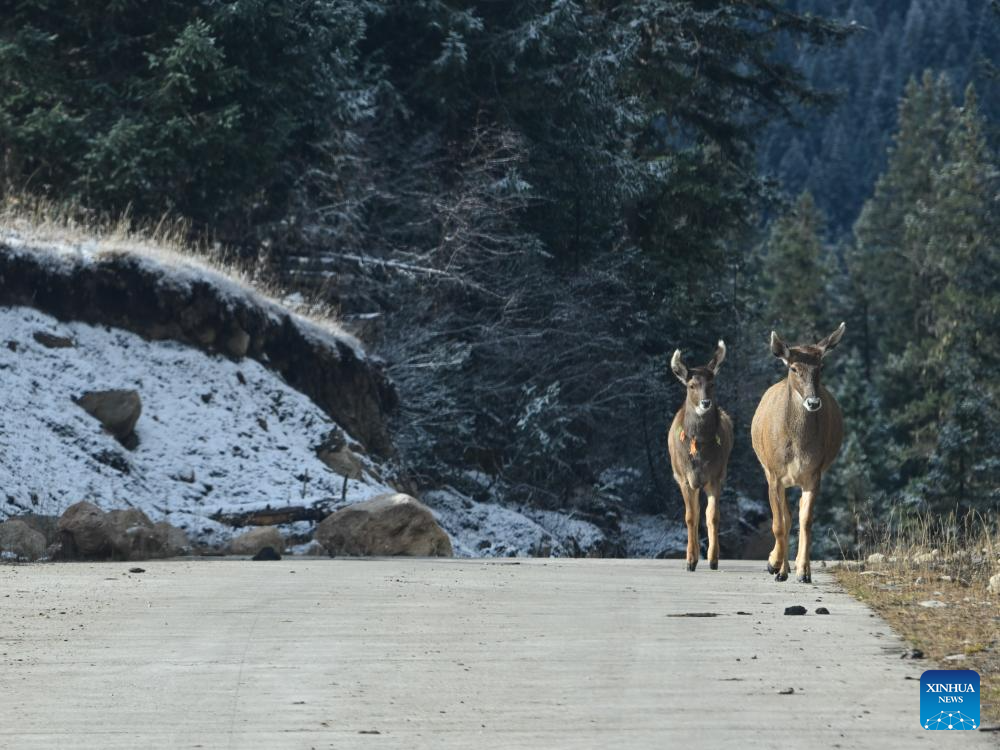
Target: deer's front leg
777 561
806 509
712 521
692 511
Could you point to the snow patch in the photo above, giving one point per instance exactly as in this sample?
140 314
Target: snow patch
207 442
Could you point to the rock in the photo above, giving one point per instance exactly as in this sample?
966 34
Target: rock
19 539
822 611
994 585
932 604
390 524
876 558
130 534
255 540
84 532
237 343
927 557
854 565
955 657
136 570
795 610
51 341
343 462
173 541
914 653
314 549
266 553
87 532
116 410
47 526
787 691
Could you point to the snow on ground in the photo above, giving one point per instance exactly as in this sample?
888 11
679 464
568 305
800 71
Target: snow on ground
208 442
490 530
652 536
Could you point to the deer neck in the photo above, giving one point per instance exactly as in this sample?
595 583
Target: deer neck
798 421
701 427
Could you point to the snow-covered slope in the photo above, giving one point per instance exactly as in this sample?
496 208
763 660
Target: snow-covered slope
208 441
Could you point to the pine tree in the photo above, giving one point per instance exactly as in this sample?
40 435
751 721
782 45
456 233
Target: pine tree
890 274
795 272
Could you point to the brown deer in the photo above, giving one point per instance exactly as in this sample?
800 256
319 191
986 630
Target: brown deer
699 442
796 431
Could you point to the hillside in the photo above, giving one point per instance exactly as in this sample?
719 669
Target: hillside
222 433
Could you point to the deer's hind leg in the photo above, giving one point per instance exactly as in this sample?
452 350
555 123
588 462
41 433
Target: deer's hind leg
692 513
712 491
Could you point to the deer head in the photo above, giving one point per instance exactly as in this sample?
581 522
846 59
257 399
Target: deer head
805 364
700 381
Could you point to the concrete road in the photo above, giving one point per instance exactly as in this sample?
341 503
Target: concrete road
316 653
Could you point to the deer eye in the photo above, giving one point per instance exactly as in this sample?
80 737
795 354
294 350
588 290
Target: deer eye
795 369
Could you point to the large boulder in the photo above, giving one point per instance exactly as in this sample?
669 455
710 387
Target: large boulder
20 540
47 526
116 410
255 540
87 532
84 532
391 524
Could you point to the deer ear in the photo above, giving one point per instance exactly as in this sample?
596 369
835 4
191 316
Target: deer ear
678 367
717 359
833 339
778 347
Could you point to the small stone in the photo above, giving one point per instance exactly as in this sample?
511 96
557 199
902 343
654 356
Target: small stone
253 541
932 604
955 657
787 691
136 570
237 343
266 553
876 558
51 341
919 581
795 610
822 611
914 653
994 585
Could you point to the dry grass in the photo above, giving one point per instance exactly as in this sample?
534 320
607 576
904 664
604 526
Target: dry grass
909 560
43 225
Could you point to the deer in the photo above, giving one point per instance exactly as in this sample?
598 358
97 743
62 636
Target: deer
699 442
796 433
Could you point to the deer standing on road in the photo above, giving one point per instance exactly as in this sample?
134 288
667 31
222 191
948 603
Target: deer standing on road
796 431
699 442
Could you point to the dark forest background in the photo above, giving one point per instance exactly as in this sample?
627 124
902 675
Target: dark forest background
524 206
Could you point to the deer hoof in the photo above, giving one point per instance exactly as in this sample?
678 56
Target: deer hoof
714 565
781 577
692 566
807 578
771 569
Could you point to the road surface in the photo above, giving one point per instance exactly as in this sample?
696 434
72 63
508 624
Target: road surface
404 653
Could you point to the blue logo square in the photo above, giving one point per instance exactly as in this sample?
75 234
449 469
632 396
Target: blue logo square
949 699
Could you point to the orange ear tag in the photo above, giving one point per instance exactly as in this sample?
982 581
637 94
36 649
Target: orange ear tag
681 435
693 450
